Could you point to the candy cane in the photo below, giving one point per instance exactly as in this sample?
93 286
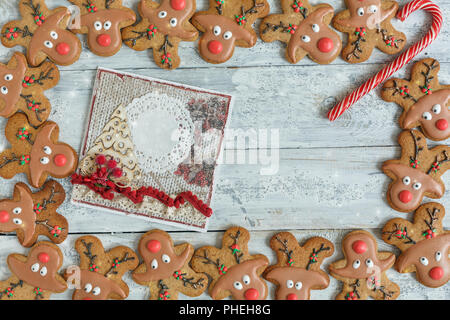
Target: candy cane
399 62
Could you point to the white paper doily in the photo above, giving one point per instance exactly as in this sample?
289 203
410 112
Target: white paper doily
162 131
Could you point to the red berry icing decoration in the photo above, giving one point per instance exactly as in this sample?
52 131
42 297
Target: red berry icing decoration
429 234
24 160
4 216
404 91
166 58
154 246
23 134
360 31
351 296
414 163
12 33
56 231
44 257
427 89
151 30
60 160
405 196
297 6
112 164
178 4
240 19
359 246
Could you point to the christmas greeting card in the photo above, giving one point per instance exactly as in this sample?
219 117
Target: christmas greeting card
150 149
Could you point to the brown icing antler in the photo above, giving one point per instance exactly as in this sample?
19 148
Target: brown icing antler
233 270
427 252
363 269
166 268
227 24
37 152
297 271
22 88
34 276
424 100
102 21
43 32
31 214
306 31
102 271
162 27
417 173
368 26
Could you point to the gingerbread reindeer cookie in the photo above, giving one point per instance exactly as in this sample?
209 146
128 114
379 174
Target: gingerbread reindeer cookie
162 28
34 277
424 244
100 272
368 24
43 33
424 100
227 24
297 271
36 152
102 21
22 88
417 173
363 269
33 214
166 268
233 270
305 29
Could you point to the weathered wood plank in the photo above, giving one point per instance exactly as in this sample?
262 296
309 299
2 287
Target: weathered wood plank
410 288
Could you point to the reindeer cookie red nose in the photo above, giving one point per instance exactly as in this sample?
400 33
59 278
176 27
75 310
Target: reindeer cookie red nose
215 46
405 196
291 296
63 48
359 246
436 273
325 45
44 257
4 216
154 246
177 4
442 124
251 294
87 298
60 160
104 40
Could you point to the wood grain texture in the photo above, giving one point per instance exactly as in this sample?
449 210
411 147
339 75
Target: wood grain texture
329 177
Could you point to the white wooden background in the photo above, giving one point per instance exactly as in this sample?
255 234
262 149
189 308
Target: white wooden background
329 178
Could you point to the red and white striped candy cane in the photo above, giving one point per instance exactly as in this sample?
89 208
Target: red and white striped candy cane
398 63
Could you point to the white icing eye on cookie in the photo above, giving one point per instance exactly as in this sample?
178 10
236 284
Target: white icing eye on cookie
306 38
88 287
17 210
96 291
54 35
372 9
43 271
227 35
154 264
35 267
438 256
173 22
246 280
165 258
298 285
162 14
217 30
369 263
289 284
436 108
427 116
417 185
4 90
47 150
98 25
107 25
406 180
44 160
356 264
360 12
48 44
8 77
424 261
237 285
315 27
17 221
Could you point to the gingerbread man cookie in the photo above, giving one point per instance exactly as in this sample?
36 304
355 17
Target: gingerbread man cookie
36 152
226 24
100 272
22 88
424 100
102 21
162 28
43 32
33 214
233 270
368 24
34 277
363 270
166 268
424 244
305 29
297 271
417 173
